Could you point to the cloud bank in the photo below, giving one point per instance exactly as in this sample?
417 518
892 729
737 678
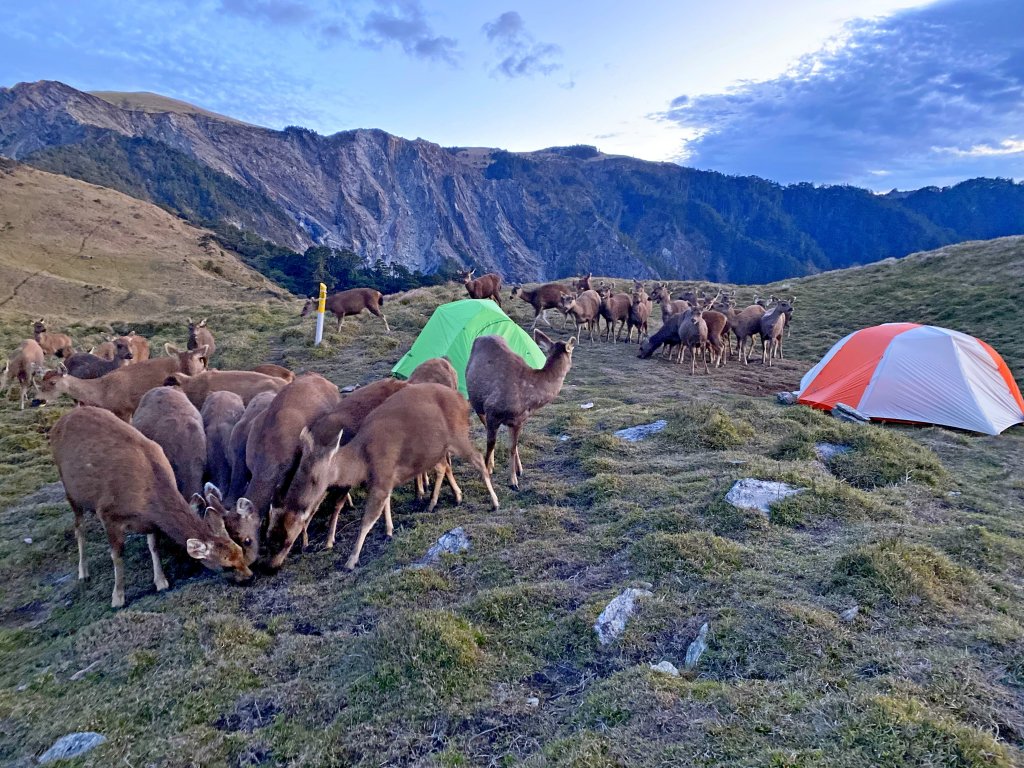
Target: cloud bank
926 96
523 56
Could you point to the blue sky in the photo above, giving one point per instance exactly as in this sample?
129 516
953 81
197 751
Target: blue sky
879 93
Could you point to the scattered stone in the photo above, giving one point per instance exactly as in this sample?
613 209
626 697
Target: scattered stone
954 493
27 539
633 434
825 451
349 388
666 667
759 494
850 614
72 745
612 621
83 672
786 398
533 702
585 406
697 648
563 438
22 688
845 412
451 543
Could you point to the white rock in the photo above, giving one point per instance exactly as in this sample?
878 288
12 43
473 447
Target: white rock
563 438
585 406
786 398
666 667
697 647
826 451
27 539
72 745
451 543
632 434
850 614
759 494
612 621
533 702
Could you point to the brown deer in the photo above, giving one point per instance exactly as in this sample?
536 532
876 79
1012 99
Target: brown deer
272 448
693 335
271 369
542 298
669 307
584 309
745 324
110 468
120 391
772 325
138 345
639 314
412 432
350 302
615 311
436 370
199 335
241 521
484 287
504 390
87 366
22 367
167 418
245 384
105 349
668 335
220 413
582 283
236 445
57 344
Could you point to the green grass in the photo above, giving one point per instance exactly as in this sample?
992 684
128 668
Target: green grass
489 657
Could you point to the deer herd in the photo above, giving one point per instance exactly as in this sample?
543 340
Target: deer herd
232 465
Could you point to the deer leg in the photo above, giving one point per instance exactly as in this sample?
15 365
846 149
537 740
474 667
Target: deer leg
385 319
332 528
341 319
451 481
374 508
83 567
116 553
159 579
389 526
513 459
438 481
492 438
420 490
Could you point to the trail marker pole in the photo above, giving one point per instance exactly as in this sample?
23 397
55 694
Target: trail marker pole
320 309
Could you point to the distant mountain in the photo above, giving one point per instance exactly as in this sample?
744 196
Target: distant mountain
531 216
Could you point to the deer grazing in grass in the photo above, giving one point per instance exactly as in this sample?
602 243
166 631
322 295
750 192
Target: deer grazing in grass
22 367
410 433
167 418
504 390
88 366
245 384
57 344
667 335
110 468
221 412
484 287
350 303
120 391
542 298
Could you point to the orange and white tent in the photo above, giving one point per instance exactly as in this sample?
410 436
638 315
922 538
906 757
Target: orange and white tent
917 373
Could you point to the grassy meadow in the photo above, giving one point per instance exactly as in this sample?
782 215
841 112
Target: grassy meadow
489 658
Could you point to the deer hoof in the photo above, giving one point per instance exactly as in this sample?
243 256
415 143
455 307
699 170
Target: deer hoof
161 585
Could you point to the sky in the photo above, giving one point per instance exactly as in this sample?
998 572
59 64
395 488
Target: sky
878 93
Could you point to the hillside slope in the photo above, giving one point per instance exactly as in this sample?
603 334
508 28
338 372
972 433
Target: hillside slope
531 216
147 101
74 250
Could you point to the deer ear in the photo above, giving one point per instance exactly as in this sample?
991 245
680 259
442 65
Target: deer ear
62 369
306 439
212 490
570 344
244 508
170 349
202 323
197 504
216 522
543 341
200 550
190 321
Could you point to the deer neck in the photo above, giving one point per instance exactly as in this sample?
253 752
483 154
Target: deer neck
89 391
350 467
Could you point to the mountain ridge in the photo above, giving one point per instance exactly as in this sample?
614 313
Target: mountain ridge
531 216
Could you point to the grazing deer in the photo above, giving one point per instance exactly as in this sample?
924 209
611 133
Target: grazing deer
220 413
504 390
542 298
350 302
167 418
236 445
484 287
199 335
22 367
110 468
120 391
668 335
412 432
240 520
245 384
58 344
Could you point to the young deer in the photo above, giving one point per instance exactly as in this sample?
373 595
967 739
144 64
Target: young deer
412 432
542 298
504 390
22 367
109 468
198 336
58 344
88 366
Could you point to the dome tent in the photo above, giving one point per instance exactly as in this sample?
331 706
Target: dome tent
920 374
454 327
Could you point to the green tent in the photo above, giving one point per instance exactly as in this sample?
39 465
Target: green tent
453 327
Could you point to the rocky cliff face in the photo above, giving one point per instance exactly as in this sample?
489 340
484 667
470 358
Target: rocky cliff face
531 216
